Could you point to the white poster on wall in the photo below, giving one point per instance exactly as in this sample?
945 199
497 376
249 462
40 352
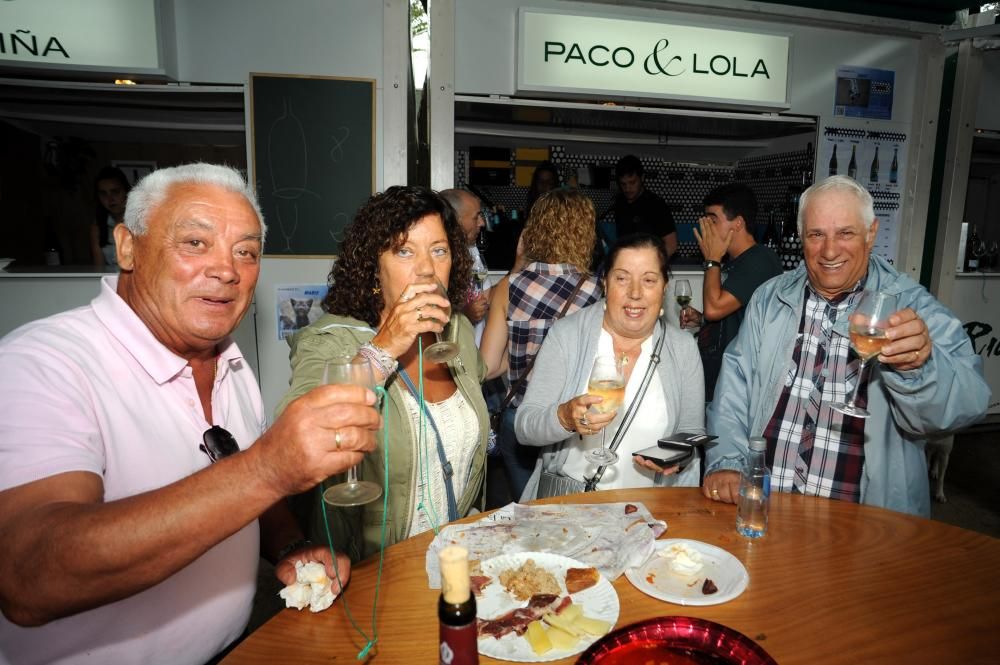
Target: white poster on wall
298 306
873 152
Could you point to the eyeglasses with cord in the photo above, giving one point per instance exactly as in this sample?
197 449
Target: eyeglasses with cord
218 443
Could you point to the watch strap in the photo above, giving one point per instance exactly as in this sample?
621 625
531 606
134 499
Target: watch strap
711 264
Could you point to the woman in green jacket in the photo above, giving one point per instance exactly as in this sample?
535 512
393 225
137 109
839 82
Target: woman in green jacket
382 305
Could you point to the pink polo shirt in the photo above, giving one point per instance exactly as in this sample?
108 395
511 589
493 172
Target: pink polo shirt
92 390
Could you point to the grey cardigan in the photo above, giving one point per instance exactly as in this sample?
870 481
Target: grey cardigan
564 363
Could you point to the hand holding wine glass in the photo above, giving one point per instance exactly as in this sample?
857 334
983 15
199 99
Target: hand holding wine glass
868 325
353 492
607 381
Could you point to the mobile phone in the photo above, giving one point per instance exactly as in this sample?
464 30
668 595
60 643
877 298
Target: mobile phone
685 439
667 457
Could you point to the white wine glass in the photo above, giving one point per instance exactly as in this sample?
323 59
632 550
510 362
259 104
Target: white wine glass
348 370
445 348
682 293
869 322
608 382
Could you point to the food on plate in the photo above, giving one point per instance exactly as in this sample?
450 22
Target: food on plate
517 620
528 580
538 638
685 561
708 588
630 508
578 579
478 581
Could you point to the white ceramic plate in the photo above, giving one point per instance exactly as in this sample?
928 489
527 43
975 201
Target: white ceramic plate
654 578
598 602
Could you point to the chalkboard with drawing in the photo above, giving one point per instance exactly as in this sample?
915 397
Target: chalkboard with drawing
313 158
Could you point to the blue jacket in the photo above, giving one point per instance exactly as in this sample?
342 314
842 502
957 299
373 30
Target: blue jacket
907 406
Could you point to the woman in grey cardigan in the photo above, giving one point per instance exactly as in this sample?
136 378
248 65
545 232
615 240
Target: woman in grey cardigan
558 414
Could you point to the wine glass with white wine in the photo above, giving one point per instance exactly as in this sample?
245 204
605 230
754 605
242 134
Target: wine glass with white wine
349 370
682 294
869 322
607 380
445 348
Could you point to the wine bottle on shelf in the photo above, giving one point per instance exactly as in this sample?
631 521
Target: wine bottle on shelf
852 167
832 169
790 251
873 176
458 644
772 236
894 167
971 251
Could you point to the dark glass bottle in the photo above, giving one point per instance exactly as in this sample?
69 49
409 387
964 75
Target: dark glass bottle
894 167
873 176
458 644
832 170
972 251
852 167
790 251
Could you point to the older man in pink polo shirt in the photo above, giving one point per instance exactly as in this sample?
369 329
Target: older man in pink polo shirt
134 464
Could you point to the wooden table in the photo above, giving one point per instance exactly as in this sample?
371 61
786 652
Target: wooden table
832 582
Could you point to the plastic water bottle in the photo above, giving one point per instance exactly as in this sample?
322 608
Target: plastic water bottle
755 491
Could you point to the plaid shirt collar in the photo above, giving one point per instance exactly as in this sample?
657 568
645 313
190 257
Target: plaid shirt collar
812 448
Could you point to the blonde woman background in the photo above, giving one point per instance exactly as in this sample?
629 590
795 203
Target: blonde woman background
553 258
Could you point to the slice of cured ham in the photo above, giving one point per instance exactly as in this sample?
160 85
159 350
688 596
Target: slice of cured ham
517 620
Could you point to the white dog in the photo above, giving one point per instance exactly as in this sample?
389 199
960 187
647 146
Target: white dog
938 451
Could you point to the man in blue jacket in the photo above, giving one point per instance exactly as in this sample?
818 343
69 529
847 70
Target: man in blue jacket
791 361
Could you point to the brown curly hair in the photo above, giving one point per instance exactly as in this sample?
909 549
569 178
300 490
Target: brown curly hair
381 224
561 229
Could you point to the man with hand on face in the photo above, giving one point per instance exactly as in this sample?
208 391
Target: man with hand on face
726 231
638 210
137 485
791 361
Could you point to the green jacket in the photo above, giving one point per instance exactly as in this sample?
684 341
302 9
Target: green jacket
357 531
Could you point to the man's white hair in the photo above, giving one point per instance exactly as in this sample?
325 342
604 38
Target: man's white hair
840 183
152 190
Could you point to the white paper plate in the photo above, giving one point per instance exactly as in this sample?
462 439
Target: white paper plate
654 578
598 602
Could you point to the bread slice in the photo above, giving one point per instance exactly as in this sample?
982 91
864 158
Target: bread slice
578 579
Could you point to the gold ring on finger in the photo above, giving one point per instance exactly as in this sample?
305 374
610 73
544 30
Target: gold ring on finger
715 493
336 439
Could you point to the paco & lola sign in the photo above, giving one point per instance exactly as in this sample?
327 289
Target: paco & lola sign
572 53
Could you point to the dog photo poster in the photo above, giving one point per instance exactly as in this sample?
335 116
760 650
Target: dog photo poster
298 306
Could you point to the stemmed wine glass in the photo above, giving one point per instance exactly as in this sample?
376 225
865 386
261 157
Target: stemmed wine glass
979 251
356 371
991 256
445 348
607 381
868 325
682 293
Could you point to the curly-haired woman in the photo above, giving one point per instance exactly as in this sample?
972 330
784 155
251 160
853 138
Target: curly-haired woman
382 306
553 258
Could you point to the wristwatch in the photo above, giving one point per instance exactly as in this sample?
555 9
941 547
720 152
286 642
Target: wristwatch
711 264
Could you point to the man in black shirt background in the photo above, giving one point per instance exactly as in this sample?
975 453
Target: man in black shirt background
727 231
638 209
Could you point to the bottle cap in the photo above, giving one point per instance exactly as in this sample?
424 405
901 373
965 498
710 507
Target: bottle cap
758 443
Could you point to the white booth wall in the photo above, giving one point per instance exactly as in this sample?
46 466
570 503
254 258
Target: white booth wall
223 41
485 48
